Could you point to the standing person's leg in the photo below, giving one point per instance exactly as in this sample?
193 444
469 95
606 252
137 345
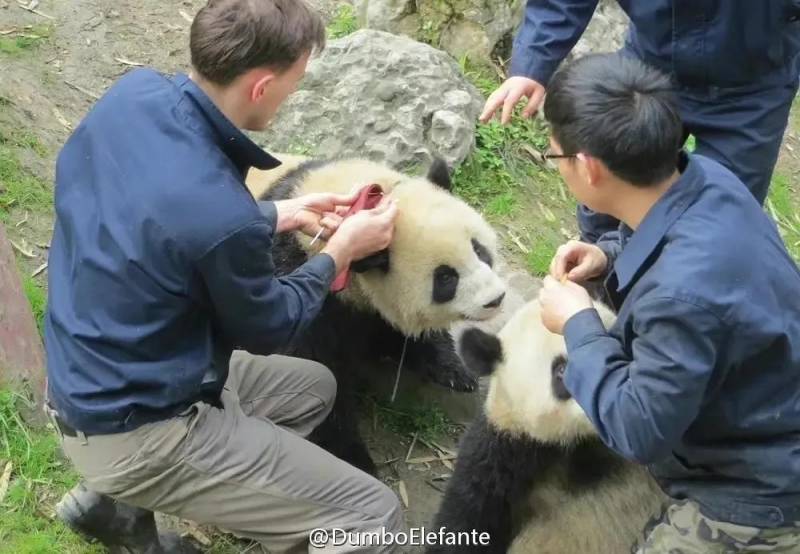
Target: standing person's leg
684 529
239 469
743 132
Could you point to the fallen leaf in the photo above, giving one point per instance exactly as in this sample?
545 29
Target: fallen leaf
198 535
61 119
129 62
21 250
4 481
39 269
401 486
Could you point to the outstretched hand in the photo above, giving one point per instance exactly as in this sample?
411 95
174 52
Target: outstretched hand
560 300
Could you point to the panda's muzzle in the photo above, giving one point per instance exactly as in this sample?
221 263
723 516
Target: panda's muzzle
496 302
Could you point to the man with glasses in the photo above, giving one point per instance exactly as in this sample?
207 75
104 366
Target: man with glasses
698 377
736 64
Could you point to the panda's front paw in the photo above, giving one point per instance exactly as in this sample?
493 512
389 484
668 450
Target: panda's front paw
452 375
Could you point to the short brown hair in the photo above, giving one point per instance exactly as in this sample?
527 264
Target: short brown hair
230 37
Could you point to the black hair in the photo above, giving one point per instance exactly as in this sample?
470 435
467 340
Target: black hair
620 110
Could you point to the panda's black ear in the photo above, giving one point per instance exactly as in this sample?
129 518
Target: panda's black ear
480 351
439 174
379 260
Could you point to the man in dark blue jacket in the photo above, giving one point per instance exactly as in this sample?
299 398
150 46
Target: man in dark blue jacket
736 64
698 377
163 303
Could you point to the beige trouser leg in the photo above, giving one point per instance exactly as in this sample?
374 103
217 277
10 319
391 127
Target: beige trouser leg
246 468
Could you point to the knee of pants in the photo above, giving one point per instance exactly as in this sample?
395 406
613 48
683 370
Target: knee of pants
325 385
389 508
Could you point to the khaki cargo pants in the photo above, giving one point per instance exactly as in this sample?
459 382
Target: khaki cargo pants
246 468
682 529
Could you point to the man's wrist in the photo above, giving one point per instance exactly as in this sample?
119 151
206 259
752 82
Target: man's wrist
340 253
286 210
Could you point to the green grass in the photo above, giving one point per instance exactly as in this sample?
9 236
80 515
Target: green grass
504 178
784 207
343 23
37 297
38 480
19 189
24 40
409 417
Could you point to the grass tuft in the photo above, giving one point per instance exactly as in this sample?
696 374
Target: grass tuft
38 481
344 22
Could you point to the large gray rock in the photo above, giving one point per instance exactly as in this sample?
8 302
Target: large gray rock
606 30
472 27
380 96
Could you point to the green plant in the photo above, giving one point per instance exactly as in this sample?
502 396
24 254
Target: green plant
37 297
24 40
18 188
785 210
343 23
37 480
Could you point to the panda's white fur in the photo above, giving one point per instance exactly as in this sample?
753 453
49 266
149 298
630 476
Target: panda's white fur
520 398
565 492
389 306
433 227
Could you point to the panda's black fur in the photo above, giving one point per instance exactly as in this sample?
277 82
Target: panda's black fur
498 472
343 337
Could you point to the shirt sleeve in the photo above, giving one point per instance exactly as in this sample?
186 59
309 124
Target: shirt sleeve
256 310
549 30
611 245
643 403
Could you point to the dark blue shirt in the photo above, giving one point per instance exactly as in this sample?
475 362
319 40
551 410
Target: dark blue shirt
700 375
704 43
160 261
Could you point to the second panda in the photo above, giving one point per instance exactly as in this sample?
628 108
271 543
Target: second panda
438 270
531 470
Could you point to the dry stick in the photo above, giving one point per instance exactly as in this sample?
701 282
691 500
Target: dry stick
410 448
399 370
37 12
83 90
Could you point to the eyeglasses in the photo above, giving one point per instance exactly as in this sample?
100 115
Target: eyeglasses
548 155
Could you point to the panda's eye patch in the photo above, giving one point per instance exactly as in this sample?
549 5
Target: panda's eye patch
445 284
482 252
558 367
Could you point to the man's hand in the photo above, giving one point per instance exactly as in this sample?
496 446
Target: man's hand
578 261
312 212
509 94
561 301
362 234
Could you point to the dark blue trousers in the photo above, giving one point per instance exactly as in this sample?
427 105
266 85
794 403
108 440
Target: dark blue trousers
742 131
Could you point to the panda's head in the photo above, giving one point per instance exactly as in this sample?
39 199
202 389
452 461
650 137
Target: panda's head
440 266
526 364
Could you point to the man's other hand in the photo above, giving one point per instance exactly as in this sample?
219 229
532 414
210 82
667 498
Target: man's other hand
363 234
509 94
578 261
560 301
312 212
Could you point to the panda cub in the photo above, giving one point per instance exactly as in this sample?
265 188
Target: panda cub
439 269
531 470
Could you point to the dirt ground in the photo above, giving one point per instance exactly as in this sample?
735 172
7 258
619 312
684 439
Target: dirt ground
47 91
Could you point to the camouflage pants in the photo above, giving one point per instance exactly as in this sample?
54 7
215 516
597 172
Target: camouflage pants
682 529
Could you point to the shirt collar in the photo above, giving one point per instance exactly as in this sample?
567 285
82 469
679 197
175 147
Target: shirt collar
658 220
242 151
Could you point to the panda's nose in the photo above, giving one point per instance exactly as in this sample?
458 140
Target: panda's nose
496 302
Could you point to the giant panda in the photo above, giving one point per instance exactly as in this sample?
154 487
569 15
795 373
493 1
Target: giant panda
531 470
438 269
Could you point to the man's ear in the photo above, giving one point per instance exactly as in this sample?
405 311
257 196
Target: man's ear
260 79
592 169
379 260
